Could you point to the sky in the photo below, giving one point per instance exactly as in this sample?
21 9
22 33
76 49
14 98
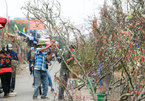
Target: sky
75 10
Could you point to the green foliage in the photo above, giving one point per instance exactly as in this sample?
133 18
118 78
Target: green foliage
86 54
61 43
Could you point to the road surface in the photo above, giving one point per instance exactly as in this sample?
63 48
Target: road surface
24 86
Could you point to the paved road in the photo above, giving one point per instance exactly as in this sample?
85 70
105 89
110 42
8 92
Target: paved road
24 87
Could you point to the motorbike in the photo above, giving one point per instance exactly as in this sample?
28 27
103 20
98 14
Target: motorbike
1 89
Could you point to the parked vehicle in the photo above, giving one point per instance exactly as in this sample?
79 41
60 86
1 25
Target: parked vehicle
1 90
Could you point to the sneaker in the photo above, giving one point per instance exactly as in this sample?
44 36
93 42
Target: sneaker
44 97
34 98
6 96
61 100
12 94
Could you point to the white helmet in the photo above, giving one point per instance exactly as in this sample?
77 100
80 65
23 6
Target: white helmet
10 46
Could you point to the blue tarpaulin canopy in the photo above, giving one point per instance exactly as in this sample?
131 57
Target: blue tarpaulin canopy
31 39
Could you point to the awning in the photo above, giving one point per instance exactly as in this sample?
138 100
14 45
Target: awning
3 22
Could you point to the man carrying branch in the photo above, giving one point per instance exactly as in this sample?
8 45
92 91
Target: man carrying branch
40 69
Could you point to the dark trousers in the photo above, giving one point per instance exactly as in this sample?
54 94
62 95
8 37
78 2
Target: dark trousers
63 83
13 78
5 80
30 67
13 81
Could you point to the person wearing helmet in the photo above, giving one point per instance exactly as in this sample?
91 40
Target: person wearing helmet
15 60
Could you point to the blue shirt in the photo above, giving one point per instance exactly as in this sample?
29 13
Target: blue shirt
14 55
40 60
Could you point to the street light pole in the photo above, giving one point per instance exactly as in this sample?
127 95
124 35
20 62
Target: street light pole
2 39
6 15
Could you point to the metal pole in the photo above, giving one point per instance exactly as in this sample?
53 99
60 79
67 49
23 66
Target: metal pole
2 39
6 16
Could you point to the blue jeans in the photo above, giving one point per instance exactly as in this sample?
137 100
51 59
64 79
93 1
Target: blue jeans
49 79
40 77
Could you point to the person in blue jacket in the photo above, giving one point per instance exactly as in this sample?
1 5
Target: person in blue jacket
15 60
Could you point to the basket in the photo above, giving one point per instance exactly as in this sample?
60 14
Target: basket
100 97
